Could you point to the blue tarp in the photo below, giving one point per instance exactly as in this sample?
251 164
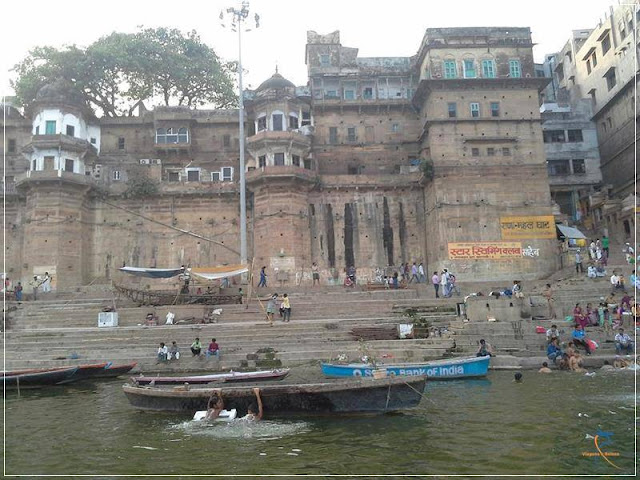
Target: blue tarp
153 272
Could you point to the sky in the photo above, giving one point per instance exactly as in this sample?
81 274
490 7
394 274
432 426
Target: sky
377 28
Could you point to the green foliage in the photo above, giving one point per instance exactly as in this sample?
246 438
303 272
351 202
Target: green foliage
117 71
139 185
427 168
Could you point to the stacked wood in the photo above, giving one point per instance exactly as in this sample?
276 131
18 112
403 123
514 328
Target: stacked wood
382 332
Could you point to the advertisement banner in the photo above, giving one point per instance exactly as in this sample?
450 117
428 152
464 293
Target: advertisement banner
485 250
516 228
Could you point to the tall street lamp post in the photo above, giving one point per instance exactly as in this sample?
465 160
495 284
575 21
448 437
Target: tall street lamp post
238 16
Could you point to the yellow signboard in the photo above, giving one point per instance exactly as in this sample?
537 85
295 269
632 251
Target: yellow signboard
516 228
485 250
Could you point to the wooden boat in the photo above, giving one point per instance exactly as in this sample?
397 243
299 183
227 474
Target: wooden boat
38 378
355 396
467 367
216 377
111 371
85 372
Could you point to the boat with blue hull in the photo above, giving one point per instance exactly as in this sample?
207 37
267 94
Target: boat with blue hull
451 368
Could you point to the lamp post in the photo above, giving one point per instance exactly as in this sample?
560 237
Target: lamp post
238 16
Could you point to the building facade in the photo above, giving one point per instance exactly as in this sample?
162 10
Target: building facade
599 67
376 162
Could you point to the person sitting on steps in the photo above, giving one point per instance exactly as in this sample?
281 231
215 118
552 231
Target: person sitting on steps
214 349
484 349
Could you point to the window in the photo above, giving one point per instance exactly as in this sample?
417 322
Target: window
71 130
452 109
367 93
215 176
262 123
11 145
610 76
183 135
37 130
173 176
172 135
558 167
120 143
594 59
308 163
495 109
325 60
295 159
226 140
278 158
395 127
488 69
351 134
553 136
262 161
277 122
68 165
475 152
491 152
506 151
575 135
50 127
604 127
469 69
227 174
514 69
161 135
331 94
578 166
622 27
588 67
450 70
306 118
609 122
93 140
475 109
193 175
349 91
116 175
333 135
33 164
293 122
605 44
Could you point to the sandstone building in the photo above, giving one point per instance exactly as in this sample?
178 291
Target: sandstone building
436 158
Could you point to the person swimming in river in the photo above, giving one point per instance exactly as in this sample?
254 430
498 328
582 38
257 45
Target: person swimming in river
254 412
517 378
215 405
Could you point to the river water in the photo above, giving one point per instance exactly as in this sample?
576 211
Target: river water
491 426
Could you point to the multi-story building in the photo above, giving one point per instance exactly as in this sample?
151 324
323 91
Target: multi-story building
436 158
600 65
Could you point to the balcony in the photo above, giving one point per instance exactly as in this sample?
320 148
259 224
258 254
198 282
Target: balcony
61 142
280 172
34 177
299 139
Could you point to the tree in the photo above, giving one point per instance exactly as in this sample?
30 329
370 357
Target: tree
117 71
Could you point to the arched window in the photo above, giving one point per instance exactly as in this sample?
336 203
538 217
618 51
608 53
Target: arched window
172 135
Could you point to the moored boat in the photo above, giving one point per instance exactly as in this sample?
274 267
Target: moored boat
355 396
38 378
451 368
111 370
85 372
216 377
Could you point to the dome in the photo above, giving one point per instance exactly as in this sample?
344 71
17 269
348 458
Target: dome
276 81
60 91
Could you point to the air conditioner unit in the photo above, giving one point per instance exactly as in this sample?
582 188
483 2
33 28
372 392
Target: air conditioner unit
144 161
156 161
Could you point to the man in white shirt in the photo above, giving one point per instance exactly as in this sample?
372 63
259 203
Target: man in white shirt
623 343
421 275
615 282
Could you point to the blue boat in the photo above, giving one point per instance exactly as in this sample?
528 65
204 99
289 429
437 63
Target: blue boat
466 367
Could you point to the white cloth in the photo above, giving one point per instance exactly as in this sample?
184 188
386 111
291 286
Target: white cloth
170 316
615 280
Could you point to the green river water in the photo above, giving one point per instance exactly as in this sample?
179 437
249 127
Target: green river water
492 426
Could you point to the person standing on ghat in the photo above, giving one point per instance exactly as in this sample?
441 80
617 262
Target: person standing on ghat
263 277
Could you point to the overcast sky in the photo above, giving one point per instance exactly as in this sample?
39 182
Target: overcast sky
377 28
